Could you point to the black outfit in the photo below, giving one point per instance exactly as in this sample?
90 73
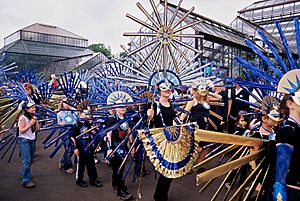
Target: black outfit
200 115
163 183
271 159
290 134
245 168
86 156
236 107
116 138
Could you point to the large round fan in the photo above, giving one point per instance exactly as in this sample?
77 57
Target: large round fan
173 156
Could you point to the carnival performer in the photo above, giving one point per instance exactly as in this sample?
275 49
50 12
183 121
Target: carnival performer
31 93
242 123
199 108
269 121
287 180
162 114
66 118
242 94
84 152
28 125
114 138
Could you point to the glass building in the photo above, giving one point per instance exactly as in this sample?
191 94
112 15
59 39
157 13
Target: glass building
49 48
221 43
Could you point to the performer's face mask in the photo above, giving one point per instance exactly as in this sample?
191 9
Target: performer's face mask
165 86
296 98
274 115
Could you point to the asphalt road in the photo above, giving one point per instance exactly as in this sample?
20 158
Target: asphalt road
52 184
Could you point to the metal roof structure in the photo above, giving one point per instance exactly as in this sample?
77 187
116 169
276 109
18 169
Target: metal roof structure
52 30
55 50
262 14
41 46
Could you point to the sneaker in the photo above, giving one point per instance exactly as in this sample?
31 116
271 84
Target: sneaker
60 165
96 183
124 195
70 171
29 185
81 183
227 185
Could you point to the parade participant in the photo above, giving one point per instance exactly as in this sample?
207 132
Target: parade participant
84 152
31 93
241 128
28 125
199 108
53 83
242 94
269 120
287 180
162 113
65 118
242 123
114 138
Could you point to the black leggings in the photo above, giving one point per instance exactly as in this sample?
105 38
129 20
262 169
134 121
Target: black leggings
117 178
162 188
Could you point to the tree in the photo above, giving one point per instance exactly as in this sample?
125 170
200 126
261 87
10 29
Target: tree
100 47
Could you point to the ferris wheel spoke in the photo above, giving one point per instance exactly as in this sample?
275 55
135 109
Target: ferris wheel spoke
180 52
187 26
147 14
174 59
141 22
156 12
186 45
183 17
139 34
175 13
157 57
150 53
142 47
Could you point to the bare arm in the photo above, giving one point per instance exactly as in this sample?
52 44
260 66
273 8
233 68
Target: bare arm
22 124
214 96
188 108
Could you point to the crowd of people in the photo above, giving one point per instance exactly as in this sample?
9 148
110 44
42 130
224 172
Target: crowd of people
278 123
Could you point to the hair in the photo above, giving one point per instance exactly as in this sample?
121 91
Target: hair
28 85
283 109
242 113
199 97
29 116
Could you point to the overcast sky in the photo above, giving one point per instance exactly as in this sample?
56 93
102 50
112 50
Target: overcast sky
101 21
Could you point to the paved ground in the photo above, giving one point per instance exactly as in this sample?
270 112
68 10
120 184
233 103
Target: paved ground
52 184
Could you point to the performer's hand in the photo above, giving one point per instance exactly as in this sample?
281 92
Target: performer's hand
150 113
279 193
132 151
33 121
109 152
76 152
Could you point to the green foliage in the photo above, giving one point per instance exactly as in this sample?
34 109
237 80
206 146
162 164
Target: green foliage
100 47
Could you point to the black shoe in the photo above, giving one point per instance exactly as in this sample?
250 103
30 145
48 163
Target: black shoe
124 195
81 183
96 183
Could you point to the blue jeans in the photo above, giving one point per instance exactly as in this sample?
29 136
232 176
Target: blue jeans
27 151
66 160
